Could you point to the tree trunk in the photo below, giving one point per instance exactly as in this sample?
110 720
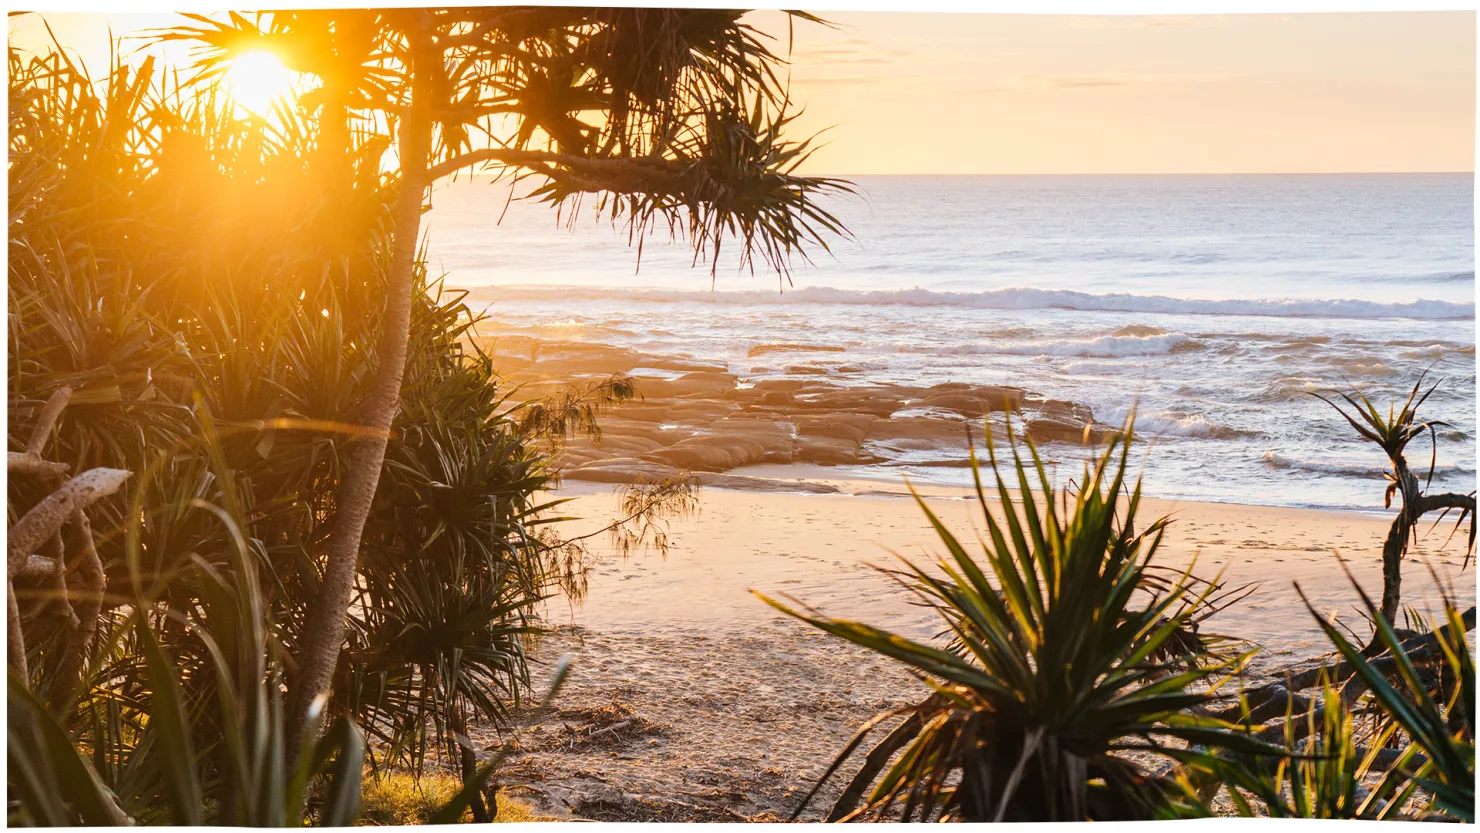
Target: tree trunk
318 650
1397 541
468 764
1392 565
1414 505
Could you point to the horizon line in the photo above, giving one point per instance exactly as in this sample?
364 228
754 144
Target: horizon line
1470 172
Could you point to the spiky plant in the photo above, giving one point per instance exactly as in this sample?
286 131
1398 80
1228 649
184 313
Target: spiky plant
133 752
1392 433
132 749
1417 759
1324 774
1439 758
1062 677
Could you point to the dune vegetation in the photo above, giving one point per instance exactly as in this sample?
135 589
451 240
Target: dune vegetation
1074 683
280 534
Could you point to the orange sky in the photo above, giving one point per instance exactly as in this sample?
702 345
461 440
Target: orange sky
996 93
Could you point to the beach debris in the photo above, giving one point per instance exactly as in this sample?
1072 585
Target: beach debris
614 724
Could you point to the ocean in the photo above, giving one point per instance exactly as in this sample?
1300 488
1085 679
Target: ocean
1211 305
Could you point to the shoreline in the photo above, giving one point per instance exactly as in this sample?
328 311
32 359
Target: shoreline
807 477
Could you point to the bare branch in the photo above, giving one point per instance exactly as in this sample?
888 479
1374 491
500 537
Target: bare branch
616 174
45 519
15 636
31 465
50 412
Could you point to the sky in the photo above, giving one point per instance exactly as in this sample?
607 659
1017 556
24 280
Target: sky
934 93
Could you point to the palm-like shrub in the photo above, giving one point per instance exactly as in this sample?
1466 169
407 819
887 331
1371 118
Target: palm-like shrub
170 262
1392 433
183 723
1439 757
1069 660
1416 758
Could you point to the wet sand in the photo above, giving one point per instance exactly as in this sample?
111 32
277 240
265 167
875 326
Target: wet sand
689 699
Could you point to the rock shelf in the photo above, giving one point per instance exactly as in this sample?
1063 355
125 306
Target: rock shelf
700 417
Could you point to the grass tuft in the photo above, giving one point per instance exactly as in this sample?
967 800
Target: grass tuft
400 797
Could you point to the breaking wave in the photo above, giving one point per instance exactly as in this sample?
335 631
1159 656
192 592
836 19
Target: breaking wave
1016 298
1376 468
1109 346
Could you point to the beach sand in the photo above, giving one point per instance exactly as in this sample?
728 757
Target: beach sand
689 699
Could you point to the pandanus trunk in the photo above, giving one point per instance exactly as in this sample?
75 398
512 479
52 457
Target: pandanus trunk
318 650
1397 540
1414 505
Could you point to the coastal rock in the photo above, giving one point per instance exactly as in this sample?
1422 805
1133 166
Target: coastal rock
703 384
762 349
623 470
852 400
740 482
1062 411
975 402
777 397
679 366
921 432
851 427
1053 430
788 385
653 387
830 452
654 411
696 457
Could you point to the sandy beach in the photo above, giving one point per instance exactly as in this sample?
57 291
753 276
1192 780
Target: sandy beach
689 699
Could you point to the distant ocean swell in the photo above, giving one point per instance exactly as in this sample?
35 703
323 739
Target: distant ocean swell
1127 341
1006 299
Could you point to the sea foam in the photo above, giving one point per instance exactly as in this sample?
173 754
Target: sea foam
1014 298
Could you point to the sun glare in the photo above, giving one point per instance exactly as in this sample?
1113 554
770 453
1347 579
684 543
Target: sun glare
257 80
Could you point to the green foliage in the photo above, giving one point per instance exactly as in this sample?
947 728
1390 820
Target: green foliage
1442 733
209 287
1324 775
1416 759
404 797
132 750
1066 653
1393 432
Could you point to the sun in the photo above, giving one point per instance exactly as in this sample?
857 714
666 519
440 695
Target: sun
257 79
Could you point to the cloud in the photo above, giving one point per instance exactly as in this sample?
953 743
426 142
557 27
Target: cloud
1159 21
847 80
1018 83
850 51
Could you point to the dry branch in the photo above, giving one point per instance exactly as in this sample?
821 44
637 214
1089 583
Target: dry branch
47 421
46 518
1275 699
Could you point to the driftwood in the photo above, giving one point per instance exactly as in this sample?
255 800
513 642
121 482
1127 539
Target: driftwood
39 544
1277 698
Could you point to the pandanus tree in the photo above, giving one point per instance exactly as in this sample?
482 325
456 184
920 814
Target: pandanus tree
671 119
1392 433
